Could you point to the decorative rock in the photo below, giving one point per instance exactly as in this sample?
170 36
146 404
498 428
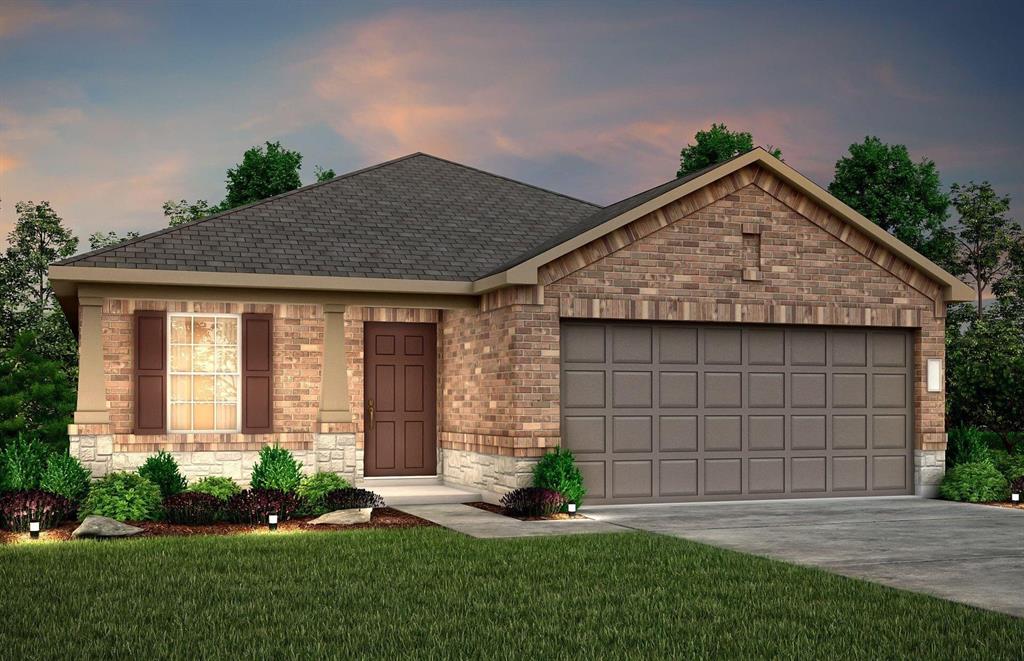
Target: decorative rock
343 517
100 527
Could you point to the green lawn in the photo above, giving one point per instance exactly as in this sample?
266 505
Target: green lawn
430 592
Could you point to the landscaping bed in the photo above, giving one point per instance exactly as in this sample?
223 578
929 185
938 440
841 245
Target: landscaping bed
498 509
382 517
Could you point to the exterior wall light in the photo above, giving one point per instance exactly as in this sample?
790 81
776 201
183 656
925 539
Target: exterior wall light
272 522
934 375
33 529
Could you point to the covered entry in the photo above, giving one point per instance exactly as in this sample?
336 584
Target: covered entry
680 411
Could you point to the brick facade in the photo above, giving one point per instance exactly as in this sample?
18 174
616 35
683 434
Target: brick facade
748 248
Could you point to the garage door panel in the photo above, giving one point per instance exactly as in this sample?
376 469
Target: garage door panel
678 411
584 434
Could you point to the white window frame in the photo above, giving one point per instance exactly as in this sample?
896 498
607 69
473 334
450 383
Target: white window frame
192 401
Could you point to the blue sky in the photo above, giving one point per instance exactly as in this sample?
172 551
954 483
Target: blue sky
109 109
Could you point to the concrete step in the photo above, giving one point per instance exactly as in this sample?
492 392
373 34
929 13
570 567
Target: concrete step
374 483
418 494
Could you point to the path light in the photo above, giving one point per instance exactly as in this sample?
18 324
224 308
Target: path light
572 508
33 529
1015 497
272 522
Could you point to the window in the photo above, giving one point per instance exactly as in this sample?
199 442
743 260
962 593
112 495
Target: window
204 364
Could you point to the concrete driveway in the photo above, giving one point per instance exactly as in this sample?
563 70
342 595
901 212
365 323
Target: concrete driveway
968 553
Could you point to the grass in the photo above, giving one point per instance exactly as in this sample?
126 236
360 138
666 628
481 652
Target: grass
429 592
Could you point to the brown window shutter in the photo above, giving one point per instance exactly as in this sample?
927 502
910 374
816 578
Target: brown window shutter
257 373
150 371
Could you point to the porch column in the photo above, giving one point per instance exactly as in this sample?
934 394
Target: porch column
92 392
334 403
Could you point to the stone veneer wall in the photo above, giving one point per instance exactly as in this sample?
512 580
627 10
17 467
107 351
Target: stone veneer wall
683 262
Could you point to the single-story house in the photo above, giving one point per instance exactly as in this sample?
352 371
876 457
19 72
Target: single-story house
737 333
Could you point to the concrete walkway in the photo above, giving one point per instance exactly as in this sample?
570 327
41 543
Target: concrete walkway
488 525
968 553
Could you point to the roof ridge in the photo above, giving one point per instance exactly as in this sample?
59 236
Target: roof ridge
514 181
167 230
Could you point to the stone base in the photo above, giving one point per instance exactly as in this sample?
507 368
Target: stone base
929 467
334 453
490 474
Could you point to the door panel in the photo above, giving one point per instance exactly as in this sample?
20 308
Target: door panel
401 388
678 411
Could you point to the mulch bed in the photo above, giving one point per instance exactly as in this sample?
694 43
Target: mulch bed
382 517
498 509
1008 505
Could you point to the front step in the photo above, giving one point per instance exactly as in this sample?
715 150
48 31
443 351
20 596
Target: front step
418 491
374 483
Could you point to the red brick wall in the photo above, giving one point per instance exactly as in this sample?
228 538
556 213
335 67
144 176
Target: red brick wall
682 262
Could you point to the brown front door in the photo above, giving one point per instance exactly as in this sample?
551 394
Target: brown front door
400 399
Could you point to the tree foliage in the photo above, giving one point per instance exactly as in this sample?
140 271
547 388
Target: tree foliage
984 235
263 172
716 145
99 240
903 197
183 211
37 394
323 174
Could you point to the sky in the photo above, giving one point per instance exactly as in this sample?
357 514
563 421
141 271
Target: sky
109 109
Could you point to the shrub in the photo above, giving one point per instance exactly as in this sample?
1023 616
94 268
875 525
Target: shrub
557 471
255 505
122 496
276 469
162 470
22 464
192 508
976 482
1009 465
66 476
1017 485
18 508
350 498
965 445
215 485
314 489
533 501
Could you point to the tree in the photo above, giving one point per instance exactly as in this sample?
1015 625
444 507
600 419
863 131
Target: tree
985 375
1009 289
263 173
714 146
38 239
904 198
984 235
183 211
107 239
322 174
37 395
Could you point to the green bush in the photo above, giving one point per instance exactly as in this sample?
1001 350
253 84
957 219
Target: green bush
215 485
557 471
65 476
123 496
966 445
976 482
314 489
1010 465
22 464
162 470
276 469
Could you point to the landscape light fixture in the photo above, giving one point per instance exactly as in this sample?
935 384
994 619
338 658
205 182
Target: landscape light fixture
272 522
1015 497
572 508
33 529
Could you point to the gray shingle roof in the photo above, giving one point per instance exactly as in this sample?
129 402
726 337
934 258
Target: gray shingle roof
417 217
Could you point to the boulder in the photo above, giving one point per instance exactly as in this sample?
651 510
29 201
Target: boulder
100 527
343 517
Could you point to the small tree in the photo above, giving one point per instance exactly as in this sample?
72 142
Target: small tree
984 235
183 211
716 145
37 396
902 197
985 375
263 172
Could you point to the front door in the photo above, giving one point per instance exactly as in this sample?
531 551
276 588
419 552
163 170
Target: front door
400 399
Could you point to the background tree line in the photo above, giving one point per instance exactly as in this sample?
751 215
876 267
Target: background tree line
981 244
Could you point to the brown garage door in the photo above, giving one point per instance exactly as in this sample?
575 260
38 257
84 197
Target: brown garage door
673 412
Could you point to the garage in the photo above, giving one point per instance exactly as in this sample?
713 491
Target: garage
667 412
